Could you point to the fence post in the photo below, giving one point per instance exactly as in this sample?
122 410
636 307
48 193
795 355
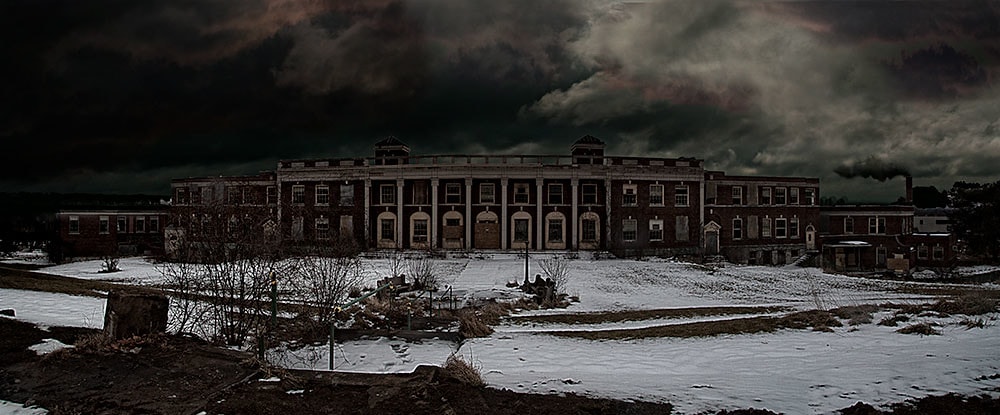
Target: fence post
333 345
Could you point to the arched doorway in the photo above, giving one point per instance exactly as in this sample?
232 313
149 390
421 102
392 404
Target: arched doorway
555 231
712 238
487 231
810 238
520 230
453 231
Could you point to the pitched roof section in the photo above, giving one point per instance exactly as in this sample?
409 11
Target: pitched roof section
589 139
390 141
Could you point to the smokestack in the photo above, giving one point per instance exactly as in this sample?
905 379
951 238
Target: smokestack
909 189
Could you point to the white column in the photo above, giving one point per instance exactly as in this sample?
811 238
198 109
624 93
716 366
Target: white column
468 213
399 213
367 218
539 236
503 214
434 213
574 221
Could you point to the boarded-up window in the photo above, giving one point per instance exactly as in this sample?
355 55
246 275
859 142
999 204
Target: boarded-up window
681 230
346 226
752 226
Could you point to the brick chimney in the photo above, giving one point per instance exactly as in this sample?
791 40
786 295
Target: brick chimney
909 188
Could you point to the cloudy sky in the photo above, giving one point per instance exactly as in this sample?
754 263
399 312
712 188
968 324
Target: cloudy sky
120 96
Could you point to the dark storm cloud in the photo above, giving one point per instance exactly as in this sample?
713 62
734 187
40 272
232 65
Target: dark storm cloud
110 90
872 167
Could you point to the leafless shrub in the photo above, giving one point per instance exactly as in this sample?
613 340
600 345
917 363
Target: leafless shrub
324 282
395 263
423 271
556 268
94 342
819 320
976 323
464 371
926 329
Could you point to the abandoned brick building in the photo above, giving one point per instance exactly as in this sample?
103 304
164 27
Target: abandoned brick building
584 200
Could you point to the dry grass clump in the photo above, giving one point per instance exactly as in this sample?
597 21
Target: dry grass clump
819 320
100 342
464 371
856 314
471 325
926 329
970 305
975 323
894 320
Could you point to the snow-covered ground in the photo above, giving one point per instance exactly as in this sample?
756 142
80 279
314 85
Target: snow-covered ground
36 257
132 270
53 309
791 371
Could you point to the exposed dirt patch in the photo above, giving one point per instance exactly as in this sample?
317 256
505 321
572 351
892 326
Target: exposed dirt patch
816 319
39 281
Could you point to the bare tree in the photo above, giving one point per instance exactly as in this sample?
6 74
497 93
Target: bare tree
423 270
396 263
324 280
556 268
225 261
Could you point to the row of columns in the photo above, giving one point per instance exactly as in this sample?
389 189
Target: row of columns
503 221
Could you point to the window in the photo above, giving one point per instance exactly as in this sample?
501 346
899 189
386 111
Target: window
234 195
419 193
346 226
453 193
297 223
810 196
140 224
388 229
590 194
681 196
452 222
420 230
487 193
737 229
628 229
656 194
681 231
628 195
780 228
555 194
122 225
322 228
154 224
848 225
555 230
922 252
234 225
876 225
299 194
589 230
737 195
793 227
656 230
880 254
765 196
74 225
938 253
793 195
387 194
779 195
765 228
272 195
206 194
323 198
182 195
520 230
347 195
521 193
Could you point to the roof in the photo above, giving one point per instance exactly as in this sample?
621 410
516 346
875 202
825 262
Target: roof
390 141
589 139
847 244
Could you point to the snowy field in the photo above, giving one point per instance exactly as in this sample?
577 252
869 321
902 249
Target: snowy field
791 371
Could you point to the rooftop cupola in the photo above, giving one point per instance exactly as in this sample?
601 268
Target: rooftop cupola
391 151
588 150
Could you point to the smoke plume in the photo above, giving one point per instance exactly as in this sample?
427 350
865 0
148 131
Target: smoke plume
872 167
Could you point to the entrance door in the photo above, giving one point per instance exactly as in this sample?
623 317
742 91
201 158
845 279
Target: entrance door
487 231
810 238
